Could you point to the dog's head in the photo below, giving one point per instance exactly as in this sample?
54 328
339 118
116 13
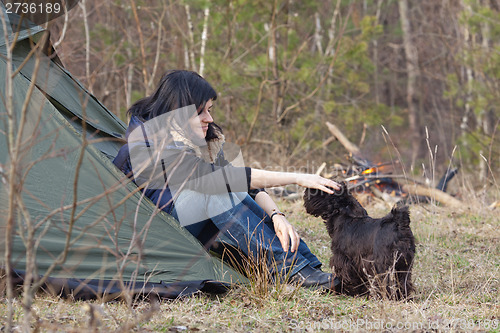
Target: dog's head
341 202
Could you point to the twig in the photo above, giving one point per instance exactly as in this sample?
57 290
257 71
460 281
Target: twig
321 168
9 230
29 242
65 27
257 110
494 205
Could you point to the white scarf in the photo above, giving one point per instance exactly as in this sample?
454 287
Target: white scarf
208 152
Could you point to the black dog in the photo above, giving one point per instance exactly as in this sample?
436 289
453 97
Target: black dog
369 255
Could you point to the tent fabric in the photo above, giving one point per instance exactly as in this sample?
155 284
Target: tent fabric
114 232
78 289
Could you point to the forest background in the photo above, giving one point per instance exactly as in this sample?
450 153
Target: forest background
421 74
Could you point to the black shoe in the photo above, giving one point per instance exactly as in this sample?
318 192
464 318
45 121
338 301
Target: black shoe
315 278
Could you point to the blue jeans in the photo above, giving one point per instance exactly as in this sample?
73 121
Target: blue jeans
241 220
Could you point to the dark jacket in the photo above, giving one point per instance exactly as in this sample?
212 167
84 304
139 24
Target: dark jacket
185 169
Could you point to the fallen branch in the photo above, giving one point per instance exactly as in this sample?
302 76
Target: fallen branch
351 147
433 193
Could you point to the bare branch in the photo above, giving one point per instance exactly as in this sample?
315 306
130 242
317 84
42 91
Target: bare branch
158 46
11 175
65 27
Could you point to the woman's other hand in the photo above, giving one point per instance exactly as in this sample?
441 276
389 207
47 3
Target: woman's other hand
317 182
286 233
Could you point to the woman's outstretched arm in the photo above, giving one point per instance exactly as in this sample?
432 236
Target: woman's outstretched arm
263 178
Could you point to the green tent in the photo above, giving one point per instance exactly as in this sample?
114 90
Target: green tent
68 142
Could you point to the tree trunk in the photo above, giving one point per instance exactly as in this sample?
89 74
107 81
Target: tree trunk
375 55
412 71
204 36
468 77
316 45
482 121
190 43
273 59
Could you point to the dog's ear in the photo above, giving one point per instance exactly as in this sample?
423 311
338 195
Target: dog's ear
401 214
313 201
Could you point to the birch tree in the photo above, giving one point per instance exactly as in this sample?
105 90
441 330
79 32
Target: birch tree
412 72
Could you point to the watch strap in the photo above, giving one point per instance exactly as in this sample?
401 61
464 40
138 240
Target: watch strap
277 212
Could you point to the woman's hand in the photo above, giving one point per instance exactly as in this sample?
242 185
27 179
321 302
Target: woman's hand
286 232
317 182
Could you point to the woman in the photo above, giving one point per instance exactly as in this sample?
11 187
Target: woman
174 153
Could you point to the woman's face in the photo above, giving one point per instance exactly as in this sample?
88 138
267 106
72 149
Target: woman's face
199 123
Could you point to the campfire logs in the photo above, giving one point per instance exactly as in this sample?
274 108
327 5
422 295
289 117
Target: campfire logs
379 180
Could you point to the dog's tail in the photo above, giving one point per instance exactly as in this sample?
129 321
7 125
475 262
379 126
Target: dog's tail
401 215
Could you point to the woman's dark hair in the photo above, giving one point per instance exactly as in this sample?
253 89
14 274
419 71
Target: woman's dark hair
177 88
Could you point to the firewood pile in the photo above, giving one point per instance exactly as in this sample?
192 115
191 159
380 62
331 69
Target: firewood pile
380 180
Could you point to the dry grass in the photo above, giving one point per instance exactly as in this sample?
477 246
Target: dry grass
456 274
